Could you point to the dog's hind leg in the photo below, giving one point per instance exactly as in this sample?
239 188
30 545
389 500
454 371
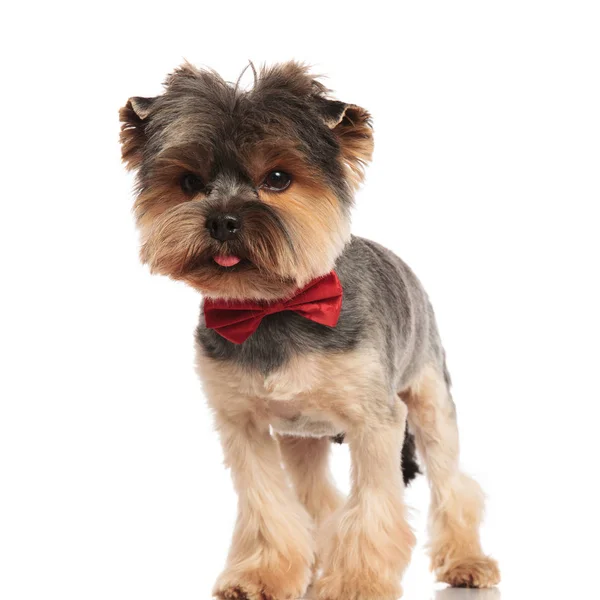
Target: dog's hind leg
306 460
456 500
366 546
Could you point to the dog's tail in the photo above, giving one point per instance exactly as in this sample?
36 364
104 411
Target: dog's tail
410 466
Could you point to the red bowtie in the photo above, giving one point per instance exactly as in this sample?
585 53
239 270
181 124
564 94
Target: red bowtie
319 301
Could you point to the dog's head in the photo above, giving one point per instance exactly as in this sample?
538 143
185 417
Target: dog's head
244 194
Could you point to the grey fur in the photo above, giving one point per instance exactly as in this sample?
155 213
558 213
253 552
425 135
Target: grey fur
384 307
212 118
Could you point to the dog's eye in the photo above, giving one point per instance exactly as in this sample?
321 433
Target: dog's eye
277 181
191 184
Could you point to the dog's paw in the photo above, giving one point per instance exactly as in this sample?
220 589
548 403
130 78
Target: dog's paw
235 593
242 591
262 585
248 590
470 572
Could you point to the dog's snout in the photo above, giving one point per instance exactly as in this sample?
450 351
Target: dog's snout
223 226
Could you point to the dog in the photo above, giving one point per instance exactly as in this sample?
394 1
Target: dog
308 335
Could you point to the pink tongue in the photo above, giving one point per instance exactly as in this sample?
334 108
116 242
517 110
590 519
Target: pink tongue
227 261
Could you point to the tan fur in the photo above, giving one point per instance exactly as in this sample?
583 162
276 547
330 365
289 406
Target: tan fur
307 462
165 191
345 388
457 501
356 141
271 553
174 238
365 545
174 242
151 204
314 218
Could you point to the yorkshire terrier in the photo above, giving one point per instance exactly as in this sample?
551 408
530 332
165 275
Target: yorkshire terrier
307 335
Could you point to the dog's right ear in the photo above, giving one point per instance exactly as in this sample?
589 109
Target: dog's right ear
134 118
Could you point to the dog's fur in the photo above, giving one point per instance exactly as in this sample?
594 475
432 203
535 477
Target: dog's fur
283 395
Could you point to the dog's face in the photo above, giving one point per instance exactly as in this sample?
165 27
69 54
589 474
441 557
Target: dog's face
244 194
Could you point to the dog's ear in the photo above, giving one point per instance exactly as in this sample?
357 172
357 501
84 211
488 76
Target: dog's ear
134 118
352 126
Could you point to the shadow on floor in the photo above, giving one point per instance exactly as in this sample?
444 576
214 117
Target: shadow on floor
445 594
467 594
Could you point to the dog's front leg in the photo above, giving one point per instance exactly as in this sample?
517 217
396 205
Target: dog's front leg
367 545
272 551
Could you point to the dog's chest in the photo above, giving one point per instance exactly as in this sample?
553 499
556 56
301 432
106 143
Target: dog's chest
292 397
302 397
293 400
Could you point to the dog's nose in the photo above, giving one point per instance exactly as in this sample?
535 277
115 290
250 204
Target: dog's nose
223 227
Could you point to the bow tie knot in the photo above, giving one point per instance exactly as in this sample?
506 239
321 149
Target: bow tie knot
274 307
319 301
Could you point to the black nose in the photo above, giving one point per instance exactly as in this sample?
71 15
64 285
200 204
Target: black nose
223 227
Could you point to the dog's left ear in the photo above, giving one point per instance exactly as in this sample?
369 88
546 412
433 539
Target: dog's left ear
352 126
134 118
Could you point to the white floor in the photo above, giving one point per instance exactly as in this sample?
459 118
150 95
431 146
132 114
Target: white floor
456 594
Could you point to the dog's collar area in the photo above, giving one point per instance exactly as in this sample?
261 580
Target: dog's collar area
319 301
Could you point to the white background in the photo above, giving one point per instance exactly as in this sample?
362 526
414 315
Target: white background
485 179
